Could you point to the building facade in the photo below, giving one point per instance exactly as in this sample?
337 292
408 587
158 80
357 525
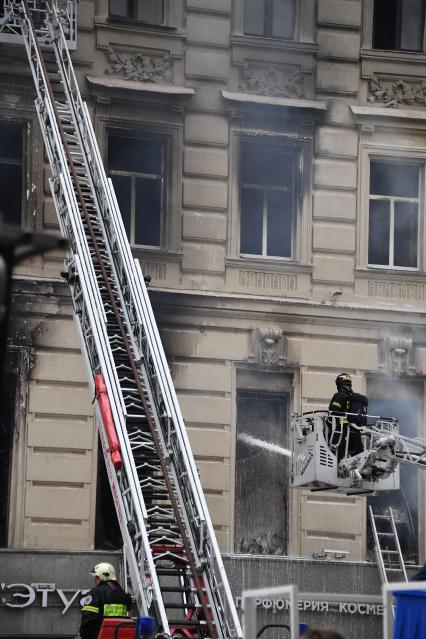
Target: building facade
269 162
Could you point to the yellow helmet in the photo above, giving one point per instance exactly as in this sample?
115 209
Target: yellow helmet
104 571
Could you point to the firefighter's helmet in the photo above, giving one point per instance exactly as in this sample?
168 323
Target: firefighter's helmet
344 379
105 572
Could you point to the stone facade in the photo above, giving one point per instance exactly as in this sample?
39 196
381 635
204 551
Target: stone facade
230 320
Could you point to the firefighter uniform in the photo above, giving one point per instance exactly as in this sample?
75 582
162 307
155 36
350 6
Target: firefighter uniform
106 599
346 401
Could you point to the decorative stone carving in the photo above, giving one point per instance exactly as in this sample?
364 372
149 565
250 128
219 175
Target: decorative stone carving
268 347
274 81
140 66
396 93
397 354
267 281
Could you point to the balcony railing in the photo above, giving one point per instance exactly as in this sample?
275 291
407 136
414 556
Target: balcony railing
10 28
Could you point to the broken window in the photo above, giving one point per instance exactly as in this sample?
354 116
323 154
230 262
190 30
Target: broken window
267 201
137 169
398 25
262 470
393 230
11 151
150 11
270 18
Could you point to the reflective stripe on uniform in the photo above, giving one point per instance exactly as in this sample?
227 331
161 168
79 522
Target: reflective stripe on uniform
336 404
115 610
90 609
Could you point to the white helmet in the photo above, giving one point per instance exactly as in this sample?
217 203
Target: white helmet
104 571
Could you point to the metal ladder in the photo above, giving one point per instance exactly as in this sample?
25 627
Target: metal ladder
173 559
387 549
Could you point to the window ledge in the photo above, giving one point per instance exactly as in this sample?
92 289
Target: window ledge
269 100
129 24
394 56
272 264
388 272
274 43
388 112
172 90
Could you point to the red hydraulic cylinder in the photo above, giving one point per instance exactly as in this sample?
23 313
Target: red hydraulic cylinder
107 418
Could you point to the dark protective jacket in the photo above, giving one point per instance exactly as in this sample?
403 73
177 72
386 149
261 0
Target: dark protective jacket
345 401
108 599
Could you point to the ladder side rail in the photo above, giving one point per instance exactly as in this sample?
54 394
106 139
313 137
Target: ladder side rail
74 89
162 375
38 75
99 358
398 545
180 441
377 548
55 151
78 122
118 253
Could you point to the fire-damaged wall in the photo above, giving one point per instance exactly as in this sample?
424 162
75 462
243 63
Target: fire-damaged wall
270 171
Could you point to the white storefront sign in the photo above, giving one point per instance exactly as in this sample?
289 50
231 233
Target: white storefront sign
45 595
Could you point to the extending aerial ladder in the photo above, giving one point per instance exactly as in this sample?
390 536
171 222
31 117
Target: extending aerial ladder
172 554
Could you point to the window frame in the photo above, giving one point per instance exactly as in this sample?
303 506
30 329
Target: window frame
367 37
133 175
133 19
301 240
171 215
304 25
392 199
385 153
266 189
268 20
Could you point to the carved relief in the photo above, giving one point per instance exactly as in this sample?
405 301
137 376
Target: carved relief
140 66
274 81
272 281
268 347
396 93
397 353
396 290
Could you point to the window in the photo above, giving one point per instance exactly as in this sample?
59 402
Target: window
150 11
262 471
270 18
267 201
393 230
11 143
137 169
398 25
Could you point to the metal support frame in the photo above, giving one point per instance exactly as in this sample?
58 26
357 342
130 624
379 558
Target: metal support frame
249 611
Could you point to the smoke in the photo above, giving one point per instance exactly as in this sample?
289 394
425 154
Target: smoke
260 443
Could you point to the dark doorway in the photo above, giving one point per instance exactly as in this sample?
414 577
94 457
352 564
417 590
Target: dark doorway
107 529
262 471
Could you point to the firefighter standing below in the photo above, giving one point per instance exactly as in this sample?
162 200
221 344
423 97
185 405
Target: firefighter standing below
106 599
346 401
